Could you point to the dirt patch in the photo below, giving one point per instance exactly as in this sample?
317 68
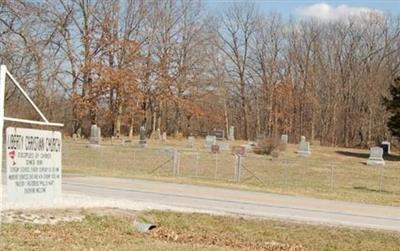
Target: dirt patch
43 217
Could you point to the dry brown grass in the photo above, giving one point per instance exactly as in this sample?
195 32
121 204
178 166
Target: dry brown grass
106 229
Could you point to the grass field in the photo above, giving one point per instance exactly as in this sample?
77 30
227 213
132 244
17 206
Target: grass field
112 230
331 173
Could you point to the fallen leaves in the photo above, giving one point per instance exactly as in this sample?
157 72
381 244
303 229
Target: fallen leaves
167 234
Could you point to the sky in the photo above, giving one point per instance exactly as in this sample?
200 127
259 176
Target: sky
328 10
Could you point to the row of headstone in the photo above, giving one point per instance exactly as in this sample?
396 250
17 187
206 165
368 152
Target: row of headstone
95 136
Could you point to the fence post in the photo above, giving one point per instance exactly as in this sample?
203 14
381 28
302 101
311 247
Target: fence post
175 163
238 164
197 164
285 174
381 179
216 166
332 178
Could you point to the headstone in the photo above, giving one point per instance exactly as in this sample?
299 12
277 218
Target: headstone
204 133
164 137
210 140
239 150
79 132
95 135
223 146
219 134
376 157
386 148
74 137
284 139
190 142
304 149
231 135
142 136
215 148
33 162
248 147
302 139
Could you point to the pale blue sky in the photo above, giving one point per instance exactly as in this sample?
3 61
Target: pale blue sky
301 8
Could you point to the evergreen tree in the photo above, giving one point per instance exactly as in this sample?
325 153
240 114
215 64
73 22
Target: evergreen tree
393 106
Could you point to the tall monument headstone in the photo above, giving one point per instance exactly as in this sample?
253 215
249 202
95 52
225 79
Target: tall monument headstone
190 142
142 136
284 139
304 148
95 135
231 135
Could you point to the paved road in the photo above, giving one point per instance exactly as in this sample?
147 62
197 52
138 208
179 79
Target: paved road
220 200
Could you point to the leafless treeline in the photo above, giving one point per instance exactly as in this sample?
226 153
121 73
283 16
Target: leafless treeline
173 65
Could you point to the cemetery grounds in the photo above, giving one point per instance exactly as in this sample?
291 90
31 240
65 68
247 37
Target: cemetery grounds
329 173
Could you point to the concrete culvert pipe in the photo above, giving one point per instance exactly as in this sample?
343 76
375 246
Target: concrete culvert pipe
143 227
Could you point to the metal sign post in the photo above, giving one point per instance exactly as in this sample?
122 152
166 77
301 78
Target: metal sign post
4 73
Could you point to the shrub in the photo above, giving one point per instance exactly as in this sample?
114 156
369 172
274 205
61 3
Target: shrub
267 146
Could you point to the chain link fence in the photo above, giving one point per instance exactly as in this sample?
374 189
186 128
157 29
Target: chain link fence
304 176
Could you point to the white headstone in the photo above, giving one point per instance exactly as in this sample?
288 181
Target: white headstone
304 149
142 136
164 137
231 135
248 147
376 157
284 139
33 160
302 139
210 140
95 135
223 146
190 142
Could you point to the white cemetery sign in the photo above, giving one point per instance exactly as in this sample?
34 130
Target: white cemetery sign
33 156
33 165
